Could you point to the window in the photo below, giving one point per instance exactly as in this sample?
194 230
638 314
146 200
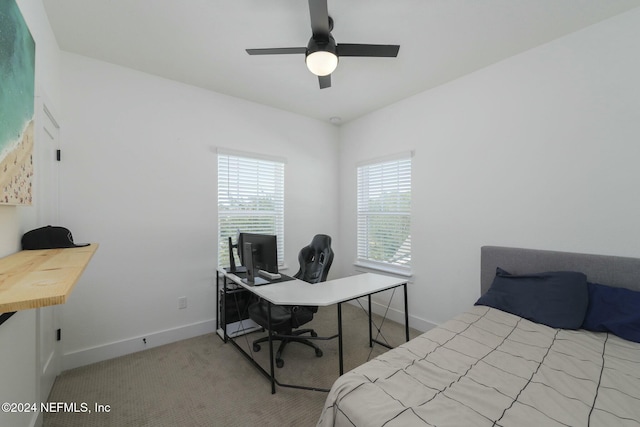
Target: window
250 199
384 215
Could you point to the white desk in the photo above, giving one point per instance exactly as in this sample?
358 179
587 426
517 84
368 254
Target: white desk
338 291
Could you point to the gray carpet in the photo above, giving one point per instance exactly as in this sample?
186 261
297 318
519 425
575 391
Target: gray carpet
204 382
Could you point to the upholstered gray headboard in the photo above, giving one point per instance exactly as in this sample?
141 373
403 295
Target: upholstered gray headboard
604 269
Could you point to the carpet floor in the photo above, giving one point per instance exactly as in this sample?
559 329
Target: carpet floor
203 381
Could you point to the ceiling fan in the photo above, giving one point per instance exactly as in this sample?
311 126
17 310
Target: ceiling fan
322 52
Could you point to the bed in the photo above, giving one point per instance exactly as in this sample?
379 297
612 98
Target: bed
490 367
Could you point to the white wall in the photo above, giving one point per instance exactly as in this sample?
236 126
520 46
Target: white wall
540 150
18 373
138 176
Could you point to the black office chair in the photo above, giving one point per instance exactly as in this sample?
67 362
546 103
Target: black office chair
315 261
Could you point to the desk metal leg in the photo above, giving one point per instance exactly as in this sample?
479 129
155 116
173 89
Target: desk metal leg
406 313
224 308
370 330
406 320
217 300
273 378
340 338
221 307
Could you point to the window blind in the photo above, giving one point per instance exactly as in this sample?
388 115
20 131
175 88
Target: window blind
250 200
384 214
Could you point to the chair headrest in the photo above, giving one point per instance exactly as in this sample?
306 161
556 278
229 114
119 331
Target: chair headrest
320 242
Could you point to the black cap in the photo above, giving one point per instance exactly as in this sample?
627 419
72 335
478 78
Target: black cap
49 237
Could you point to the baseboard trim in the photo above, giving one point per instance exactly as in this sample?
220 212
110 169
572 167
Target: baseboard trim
87 356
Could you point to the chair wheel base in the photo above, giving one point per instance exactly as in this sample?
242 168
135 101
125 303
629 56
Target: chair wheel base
318 353
279 363
256 347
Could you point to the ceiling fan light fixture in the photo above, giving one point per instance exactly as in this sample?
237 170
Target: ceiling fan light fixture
321 53
322 63
321 57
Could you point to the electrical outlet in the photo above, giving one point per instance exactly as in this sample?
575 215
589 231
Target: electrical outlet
182 303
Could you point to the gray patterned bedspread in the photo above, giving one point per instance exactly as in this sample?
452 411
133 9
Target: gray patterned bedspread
490 368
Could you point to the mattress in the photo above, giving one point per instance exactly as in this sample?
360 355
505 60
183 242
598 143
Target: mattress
487 367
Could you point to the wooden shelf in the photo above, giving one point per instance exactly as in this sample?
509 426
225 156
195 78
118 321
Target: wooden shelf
40 278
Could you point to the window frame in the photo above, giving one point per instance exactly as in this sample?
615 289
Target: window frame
254 176
381 176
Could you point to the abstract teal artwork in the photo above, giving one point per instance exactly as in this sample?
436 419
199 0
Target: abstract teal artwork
17 82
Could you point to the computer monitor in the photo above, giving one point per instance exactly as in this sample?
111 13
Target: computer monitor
264 248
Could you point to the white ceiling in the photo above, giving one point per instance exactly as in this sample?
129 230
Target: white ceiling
203 42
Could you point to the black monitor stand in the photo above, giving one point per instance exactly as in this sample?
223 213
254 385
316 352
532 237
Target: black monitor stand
247 257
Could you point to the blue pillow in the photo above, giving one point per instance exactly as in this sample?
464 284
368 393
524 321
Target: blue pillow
557 299
615 310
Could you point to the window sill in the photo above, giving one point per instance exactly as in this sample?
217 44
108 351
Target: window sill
398 271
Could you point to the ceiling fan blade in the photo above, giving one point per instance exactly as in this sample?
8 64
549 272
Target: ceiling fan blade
377 50
319 17
277 51
325 81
